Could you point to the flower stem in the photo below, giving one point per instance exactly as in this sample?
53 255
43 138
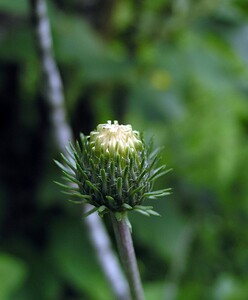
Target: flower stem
127 254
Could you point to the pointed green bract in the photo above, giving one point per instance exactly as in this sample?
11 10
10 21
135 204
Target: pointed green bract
114 170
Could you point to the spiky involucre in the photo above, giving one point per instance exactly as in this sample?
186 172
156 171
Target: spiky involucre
113 170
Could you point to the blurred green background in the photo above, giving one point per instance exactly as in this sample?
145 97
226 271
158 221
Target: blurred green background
177 70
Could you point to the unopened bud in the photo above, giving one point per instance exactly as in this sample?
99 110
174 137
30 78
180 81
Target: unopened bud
114 170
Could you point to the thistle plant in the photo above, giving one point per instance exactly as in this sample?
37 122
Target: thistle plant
114 170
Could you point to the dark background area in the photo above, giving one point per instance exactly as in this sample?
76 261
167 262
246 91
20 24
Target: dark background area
176 70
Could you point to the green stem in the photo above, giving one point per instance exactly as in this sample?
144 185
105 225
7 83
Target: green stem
127 254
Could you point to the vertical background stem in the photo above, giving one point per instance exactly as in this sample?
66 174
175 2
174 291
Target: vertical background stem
62 133
126 249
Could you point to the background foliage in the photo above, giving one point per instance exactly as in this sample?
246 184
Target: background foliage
177 70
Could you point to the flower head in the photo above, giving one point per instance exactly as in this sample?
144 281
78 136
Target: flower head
115 139
114 170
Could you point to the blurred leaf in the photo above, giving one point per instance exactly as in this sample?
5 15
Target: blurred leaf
160 80
77 43
14 6
76 261
12 275
155 291
227 287
174 243
123 14
21 36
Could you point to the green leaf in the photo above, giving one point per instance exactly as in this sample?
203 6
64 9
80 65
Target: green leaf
109 198
143 207
87 197
71 178
18 7
141 211
76 158
158 193
82 172
13 272
138 189
91 211
71 253
112 170
152 212
160 175
157 172
67 187
142 174
127 206
102 210
119 187
104 180
69 163
173 245
77 202
91 185
62 167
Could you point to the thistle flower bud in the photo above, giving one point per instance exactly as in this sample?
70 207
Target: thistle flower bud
115 139
114 170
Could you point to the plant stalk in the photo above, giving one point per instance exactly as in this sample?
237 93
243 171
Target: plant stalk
128 257
62 134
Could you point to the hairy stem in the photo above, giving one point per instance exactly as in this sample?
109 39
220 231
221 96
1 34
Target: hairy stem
127 254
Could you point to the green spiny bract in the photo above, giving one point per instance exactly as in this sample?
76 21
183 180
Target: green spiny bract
113 179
